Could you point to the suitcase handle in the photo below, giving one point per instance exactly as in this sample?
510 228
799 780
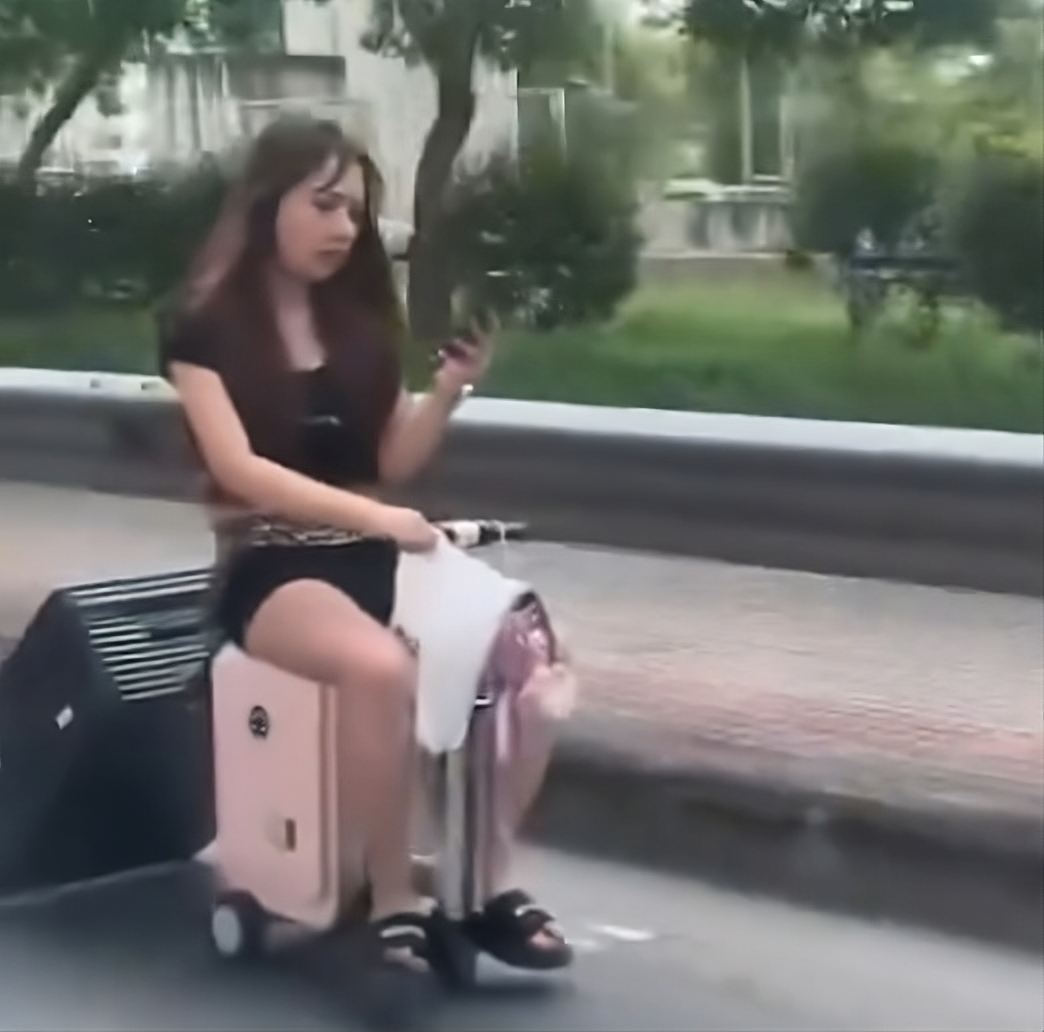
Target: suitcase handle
479 533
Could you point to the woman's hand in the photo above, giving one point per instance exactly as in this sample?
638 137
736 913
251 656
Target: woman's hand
417 425
408 528
465 360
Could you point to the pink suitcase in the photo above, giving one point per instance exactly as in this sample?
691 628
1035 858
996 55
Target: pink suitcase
278 853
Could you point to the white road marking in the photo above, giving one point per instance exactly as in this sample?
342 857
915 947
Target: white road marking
583 945
622 934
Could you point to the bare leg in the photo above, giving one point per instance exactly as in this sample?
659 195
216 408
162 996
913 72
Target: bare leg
511 926
424 837
310 629
522 781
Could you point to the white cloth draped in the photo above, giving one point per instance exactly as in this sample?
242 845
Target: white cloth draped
451 604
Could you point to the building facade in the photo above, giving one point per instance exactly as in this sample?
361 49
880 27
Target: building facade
181 103
397 104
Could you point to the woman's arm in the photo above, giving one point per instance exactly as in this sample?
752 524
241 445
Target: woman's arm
254 480
417 426
413 434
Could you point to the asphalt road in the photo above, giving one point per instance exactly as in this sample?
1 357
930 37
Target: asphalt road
655 954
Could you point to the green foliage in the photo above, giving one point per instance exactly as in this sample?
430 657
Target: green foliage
548 243
509 33
746 27
38 37
953 103
875 186
448 36
111 240
996 225
965 137
777 345
837 26
773 345
236 24
1000 108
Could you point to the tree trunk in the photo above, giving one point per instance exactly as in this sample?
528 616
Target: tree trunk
431 275
81 79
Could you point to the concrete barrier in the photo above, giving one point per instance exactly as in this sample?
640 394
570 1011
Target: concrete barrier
948 507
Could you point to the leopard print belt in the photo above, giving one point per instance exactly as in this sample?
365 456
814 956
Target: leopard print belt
242 532
262 531
239 533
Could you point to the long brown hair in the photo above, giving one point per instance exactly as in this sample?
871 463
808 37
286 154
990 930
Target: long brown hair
357 311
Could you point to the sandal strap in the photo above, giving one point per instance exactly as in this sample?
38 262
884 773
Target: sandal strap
518 909
406 931
507 926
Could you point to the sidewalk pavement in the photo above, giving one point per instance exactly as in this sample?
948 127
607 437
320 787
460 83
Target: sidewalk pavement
780 731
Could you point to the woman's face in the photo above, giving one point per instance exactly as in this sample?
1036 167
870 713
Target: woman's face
318 221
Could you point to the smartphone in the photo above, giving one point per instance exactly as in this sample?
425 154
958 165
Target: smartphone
469 309
452 349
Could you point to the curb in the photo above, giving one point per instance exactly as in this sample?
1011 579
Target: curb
971 873
976 874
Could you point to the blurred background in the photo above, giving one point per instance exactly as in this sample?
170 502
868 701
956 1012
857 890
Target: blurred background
804 787
827 209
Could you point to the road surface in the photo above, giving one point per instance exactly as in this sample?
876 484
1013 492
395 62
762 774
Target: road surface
654 953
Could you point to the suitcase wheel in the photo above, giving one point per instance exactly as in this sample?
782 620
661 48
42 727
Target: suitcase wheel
237 926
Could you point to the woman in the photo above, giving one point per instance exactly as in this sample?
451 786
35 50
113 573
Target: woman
282 346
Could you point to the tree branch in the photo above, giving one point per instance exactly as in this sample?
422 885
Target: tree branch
82 77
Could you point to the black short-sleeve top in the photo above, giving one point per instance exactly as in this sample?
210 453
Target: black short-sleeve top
333 443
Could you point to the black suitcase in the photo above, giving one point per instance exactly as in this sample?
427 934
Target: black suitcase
104 732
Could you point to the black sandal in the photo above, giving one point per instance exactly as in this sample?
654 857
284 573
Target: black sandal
506 927
381 972
406 934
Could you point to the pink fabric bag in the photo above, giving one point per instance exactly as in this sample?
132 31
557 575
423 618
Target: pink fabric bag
527 686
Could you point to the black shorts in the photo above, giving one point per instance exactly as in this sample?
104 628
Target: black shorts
364 570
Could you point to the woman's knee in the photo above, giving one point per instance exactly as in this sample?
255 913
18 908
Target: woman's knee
380 669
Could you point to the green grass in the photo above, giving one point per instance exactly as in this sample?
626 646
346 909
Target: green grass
776 346
779 347
106 340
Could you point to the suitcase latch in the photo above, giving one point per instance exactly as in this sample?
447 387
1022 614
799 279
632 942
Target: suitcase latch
282 833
